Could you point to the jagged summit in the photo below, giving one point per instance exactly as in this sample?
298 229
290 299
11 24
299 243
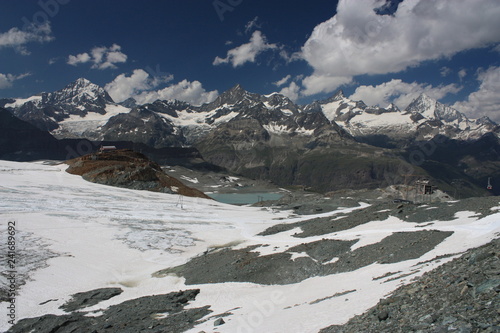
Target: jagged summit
237 94
82 82
129 102
48 110
79 97
392 108
234 95
422 104
235 91
432 109
422 119
237 87
338 96
485 121
81 90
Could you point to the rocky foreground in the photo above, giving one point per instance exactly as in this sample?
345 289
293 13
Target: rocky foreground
138 315
460 296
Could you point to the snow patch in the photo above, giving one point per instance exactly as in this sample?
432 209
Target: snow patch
21 101
191 180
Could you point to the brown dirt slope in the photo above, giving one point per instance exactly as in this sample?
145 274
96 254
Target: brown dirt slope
130 169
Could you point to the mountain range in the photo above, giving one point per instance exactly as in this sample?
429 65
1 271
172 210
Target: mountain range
85 110
325 145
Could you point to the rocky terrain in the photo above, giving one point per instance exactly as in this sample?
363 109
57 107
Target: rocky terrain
126 168
460 296
422 213
246 265
159 313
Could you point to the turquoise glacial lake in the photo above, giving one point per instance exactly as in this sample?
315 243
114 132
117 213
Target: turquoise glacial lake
244 198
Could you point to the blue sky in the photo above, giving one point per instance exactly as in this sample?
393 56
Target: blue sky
194 50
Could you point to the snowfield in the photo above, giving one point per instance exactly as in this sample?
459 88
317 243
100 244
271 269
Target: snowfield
76 126
74 236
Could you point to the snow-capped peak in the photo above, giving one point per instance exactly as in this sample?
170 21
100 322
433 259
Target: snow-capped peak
485 121
230 97
424 118
82 82
234 95
392 108
424 105
338 96
81 90
430 109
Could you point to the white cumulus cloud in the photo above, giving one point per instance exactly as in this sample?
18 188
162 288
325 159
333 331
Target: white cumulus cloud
6 80
323 83
141 86
79 59
400 93
292 91
123 87
248 52
357 41
445 71
462 74
18 39
187 91
252 24
486 100
283 81
101 57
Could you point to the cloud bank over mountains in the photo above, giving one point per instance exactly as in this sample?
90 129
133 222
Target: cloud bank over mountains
358 41
142 86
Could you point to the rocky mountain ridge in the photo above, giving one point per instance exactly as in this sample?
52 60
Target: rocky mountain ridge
83 109
47 110
422 119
